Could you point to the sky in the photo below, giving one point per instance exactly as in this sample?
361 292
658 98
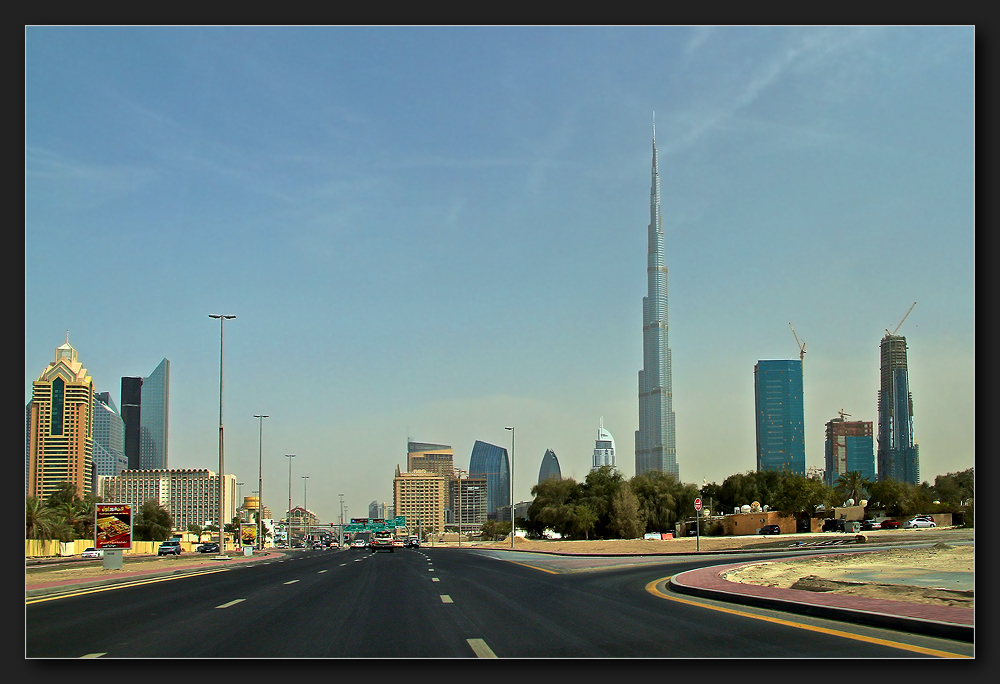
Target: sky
435 233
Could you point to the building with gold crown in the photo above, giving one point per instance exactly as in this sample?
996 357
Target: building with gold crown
60 427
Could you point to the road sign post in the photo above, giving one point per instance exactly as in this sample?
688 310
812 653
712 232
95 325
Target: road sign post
697 523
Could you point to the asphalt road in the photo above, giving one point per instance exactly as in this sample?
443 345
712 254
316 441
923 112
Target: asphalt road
432 603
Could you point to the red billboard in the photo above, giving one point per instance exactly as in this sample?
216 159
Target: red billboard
113 526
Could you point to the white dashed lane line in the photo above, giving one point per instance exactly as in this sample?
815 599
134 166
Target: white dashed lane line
93 655
231 603
480 648
291 582
435 579
446 599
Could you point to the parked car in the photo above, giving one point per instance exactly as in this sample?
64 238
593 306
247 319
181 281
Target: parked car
871 525
770 529
169 547
208 547
91 552
920 521
834 525
890 524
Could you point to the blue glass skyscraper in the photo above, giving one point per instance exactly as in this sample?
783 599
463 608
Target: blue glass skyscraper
491 461
154 418
779 416
898 455
655 440
549 468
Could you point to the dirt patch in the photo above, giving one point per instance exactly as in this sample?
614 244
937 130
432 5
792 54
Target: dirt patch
830 574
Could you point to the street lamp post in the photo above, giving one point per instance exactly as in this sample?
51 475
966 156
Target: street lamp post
260 486
305 508
288 521
341 520
458 477
511 485
222 463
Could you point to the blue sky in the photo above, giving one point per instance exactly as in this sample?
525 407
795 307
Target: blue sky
439 232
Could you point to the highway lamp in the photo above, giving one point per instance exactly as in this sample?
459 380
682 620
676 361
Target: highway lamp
341 520
511 485
305 508
260 486
222 318
288 524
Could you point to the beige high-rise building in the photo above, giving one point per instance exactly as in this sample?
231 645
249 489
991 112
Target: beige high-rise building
190 495
421 497
431 458
61 427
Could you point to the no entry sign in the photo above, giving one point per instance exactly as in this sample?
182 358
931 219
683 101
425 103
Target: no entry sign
697 504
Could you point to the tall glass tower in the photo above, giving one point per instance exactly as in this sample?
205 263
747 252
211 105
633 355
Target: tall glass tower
898 455
153 421
491 461
779 412
655 440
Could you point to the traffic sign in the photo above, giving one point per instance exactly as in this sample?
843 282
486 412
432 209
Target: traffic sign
697 504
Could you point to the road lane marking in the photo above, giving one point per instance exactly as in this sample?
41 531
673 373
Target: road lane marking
231 603
651 588
446 599
122 585
435 579
291 582
430 569
321 572
480 648
94 655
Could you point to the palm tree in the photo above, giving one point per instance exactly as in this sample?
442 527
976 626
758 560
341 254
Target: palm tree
42 522
853 484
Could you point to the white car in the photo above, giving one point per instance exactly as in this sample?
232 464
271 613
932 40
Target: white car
91 552
919 521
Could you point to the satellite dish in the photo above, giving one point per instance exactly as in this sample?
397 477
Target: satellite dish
850 502
744 509
864 502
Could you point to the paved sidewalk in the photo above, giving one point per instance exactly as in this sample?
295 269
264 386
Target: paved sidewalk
939 621
37 584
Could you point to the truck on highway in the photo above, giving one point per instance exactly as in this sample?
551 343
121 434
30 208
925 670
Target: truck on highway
381 541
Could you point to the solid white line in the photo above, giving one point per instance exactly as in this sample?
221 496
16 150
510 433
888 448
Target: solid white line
231 603
480 648
446 599
291 582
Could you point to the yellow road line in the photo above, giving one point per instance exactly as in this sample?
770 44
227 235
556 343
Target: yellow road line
651 588
533 567
94 590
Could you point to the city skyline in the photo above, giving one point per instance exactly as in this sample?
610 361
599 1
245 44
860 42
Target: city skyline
436 233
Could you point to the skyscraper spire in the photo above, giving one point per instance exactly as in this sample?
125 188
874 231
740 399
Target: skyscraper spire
655 443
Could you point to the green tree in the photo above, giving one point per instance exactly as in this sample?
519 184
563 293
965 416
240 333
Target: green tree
627 521
153 522
798 493
597 492
852 485
43 522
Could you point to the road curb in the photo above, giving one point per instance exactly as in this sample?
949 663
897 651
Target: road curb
873 618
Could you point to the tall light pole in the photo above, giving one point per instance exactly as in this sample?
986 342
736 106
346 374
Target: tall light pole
305 507
260 487
222 461
511 485
341 520
458 477
288 516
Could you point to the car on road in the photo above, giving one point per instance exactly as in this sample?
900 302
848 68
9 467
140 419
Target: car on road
358 544
397 543
317 545
770 529
890 524
413 542
91 552
169 547
208 547
919 521
871 525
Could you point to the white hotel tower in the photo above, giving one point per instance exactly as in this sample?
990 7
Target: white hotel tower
604 449
655 444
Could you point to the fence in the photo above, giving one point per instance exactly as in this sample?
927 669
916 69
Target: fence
36 548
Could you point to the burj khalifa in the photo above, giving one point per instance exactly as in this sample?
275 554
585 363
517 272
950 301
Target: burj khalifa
655 440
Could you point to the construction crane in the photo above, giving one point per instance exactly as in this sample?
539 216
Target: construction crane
842 414
801 345
901 322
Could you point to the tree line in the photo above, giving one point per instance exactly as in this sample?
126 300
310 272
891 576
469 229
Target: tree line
607 505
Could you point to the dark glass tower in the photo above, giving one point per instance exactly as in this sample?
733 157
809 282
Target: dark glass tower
655 440
491 461
550 467
779 416
132 415
898 456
